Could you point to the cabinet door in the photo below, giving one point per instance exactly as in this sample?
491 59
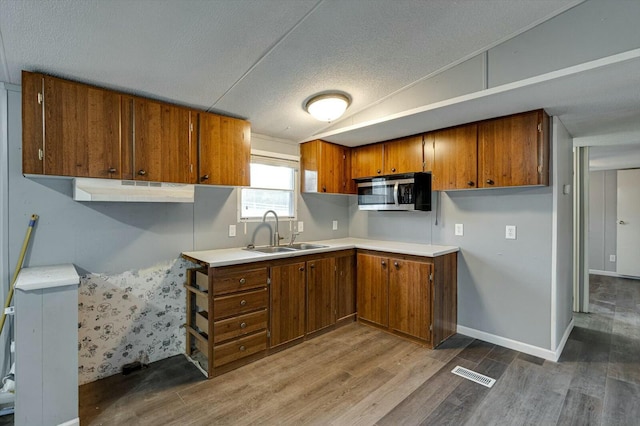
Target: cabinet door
224 150
410 298
366 161
514 150
350 186
373 287
32 124
455 158
345 286
162 149
321 294
403 155
147 140
324 167
82 130
287 303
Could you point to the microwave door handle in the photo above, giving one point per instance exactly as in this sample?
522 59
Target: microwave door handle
395 193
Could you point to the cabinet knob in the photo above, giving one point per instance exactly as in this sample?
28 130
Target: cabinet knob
471 183
242 281
490 182
324 188
112 170
393 170
242 348
396 264
243 302
243 325
384 263
203 178
142 172
378 171
301 269
312 266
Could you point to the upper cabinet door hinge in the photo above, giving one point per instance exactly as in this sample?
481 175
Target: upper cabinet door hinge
40 154
268 281
431 277
40 98
539 127
430 327
540 168
268 333
191 127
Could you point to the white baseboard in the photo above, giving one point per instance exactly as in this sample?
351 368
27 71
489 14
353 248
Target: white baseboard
73 422
605 273
516 345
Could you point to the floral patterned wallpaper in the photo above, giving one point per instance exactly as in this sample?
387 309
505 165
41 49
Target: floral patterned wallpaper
132 316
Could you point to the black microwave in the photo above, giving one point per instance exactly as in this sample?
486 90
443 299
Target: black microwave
410 191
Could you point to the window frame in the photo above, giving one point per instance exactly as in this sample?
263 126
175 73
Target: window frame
273 159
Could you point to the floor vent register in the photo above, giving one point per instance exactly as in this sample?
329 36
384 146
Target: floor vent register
473 376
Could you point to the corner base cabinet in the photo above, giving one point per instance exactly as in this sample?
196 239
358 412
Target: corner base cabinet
411 296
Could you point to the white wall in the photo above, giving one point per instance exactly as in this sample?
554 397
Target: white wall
602 219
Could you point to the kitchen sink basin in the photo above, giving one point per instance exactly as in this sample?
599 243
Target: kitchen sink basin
306 246
270 249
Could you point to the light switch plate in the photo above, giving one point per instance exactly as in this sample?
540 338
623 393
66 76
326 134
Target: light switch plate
300 226
459 229
335 225
232 230
510 232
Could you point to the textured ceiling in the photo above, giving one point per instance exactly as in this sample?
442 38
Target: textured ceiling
256 59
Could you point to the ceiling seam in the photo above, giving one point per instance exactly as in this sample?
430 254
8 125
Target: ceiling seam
267 53
3 58
455 63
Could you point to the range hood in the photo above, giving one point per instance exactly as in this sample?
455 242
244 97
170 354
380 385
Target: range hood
86 189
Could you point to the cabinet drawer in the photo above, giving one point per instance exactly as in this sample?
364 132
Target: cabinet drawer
231 282
202 321
240 348
201 346
239 326
228 306
202 303
202 281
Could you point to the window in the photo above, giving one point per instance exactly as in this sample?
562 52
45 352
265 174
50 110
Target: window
273 187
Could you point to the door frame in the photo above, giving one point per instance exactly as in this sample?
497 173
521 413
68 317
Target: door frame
581 229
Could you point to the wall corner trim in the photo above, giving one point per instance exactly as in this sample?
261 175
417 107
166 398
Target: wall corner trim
516 345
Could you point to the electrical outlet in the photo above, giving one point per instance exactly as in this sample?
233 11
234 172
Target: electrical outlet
510 232
459 229
300 226
335 225
232 230
612 258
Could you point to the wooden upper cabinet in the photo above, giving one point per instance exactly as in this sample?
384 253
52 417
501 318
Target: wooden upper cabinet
325 167
373 288
32 123
405 155
81 126
224 150
367 161
455 158
514 150
410 297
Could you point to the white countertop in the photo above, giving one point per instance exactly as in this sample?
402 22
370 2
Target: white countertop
41 277
236 256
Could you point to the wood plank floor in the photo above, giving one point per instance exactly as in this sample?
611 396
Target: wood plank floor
358 375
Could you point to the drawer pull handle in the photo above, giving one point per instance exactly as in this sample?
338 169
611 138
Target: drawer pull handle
242 281
243 302
242 348
243 325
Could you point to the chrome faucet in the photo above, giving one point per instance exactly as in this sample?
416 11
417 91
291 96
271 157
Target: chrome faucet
276 235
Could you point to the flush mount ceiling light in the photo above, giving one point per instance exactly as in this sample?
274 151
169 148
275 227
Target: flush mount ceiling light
327 106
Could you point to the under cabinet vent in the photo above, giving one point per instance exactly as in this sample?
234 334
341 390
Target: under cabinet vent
473 376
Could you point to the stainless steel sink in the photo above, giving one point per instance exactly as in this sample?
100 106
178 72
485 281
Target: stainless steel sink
271 249
306 246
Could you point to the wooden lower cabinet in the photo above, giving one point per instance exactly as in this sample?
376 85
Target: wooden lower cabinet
237 314
412 296
287 306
